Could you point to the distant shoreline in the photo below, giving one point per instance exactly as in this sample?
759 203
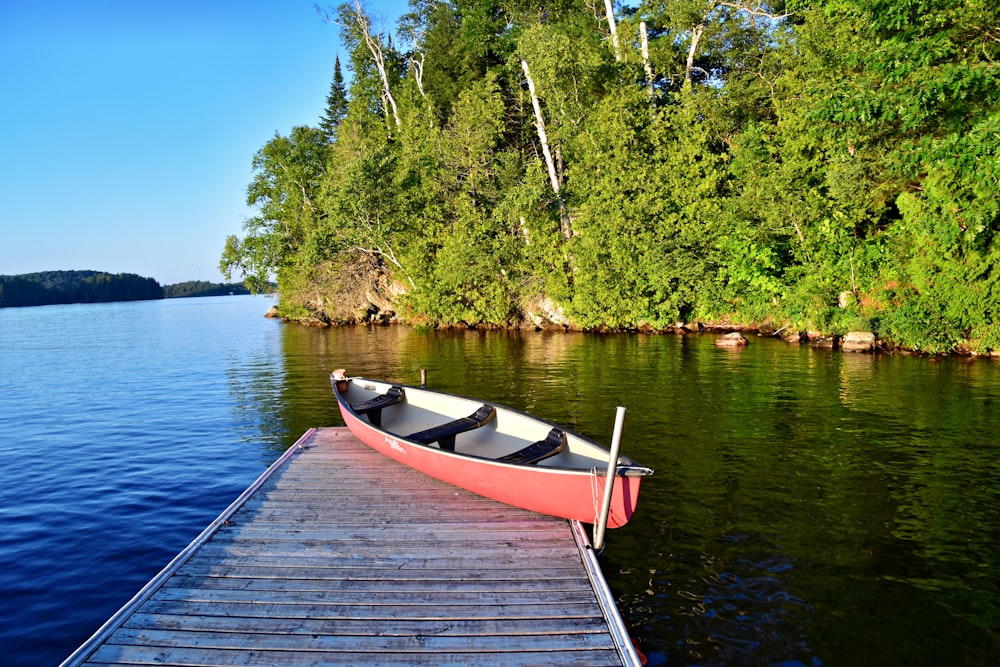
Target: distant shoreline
48 288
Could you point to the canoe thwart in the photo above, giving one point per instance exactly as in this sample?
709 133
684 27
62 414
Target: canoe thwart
373 408
554 443
445 434
517 459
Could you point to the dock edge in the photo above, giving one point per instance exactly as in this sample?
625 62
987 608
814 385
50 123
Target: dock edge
81 654
619 631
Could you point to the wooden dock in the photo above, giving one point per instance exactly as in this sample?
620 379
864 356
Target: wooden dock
338 555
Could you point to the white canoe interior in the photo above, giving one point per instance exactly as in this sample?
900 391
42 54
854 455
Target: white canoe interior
506 432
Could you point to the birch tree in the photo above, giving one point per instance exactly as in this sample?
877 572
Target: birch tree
609 11
647 67
375 48
543 140
356 28
543 137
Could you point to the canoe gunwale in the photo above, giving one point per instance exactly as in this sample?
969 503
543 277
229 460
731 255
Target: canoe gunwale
626 466
549 486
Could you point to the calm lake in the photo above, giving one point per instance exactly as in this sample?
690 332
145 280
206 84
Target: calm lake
808 508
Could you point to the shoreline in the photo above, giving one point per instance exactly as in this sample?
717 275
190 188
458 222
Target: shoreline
813 339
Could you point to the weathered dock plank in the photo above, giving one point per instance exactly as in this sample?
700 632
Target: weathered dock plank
338 555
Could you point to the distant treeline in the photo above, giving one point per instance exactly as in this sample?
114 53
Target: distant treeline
60 287
203 288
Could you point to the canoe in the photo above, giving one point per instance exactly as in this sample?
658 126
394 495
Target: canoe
489 449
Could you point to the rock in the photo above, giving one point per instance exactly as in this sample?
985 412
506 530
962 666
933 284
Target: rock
272 312
544 315
734 339
312 322
792 336
818 339
858 341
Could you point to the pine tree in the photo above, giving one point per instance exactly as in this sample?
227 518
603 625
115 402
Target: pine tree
336 104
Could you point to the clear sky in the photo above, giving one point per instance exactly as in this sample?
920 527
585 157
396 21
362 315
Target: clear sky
127 128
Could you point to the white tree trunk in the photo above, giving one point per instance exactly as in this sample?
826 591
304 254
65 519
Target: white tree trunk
609 11
543 139
418 74
540 128
696 33
376 50
644 37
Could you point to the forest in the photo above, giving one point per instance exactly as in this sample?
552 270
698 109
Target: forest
47 288
193 288
817 165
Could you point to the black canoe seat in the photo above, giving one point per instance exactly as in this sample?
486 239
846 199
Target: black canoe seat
373 407
554 443
445 434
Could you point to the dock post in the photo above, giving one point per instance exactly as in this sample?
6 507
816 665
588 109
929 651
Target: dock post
609 480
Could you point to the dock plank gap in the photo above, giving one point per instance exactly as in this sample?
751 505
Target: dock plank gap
338 555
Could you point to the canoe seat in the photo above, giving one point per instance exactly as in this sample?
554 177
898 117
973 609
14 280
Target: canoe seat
554 443
445 434
373 407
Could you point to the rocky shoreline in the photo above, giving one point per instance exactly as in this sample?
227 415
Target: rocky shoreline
730 336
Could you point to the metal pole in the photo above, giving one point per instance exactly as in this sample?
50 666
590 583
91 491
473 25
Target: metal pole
609 480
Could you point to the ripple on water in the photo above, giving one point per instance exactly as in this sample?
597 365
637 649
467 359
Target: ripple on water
807 508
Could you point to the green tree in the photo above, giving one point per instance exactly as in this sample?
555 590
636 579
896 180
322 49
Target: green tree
336 104
473 253
288 172
904 101
821 163
647 201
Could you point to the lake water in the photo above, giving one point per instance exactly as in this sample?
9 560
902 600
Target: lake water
808 507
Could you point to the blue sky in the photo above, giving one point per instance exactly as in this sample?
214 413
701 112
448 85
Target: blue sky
127 128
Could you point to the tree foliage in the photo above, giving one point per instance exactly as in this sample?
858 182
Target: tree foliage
61 287
198 288
336 104
821 164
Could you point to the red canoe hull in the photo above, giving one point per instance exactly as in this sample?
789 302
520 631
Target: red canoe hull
570 494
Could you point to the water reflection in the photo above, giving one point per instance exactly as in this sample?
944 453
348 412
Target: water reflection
809 507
